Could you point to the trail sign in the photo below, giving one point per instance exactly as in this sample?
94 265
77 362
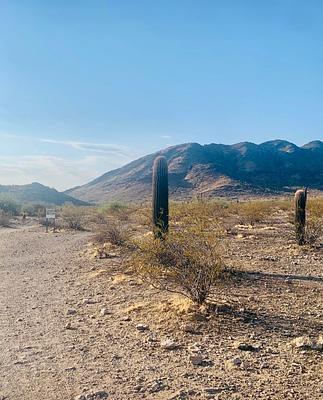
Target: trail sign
50 213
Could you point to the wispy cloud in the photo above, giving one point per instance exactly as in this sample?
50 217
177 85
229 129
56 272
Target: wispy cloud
93 147
57 172
89 161
166 137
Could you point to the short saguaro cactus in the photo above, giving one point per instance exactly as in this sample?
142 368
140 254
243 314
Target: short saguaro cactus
160 197
300 215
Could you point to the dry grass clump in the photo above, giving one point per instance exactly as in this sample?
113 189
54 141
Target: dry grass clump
314 223
74 217
186 262
208 212
252 212
112 232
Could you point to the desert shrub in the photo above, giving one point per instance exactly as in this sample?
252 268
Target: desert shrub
314 223
4 219
9 206
252 212
73 217
116 209
185 262
34 210
112 232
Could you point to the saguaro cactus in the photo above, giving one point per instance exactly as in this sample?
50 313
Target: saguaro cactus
300 215
160 197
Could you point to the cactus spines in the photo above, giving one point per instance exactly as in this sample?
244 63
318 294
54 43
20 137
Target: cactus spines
160 197
300 215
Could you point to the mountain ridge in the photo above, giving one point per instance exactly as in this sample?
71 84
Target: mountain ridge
214 170
35 192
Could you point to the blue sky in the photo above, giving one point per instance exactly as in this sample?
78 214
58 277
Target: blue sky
88 85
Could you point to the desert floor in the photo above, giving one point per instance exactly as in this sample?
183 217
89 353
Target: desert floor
74 327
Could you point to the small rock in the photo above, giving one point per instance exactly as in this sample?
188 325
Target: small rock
93 396
104 311
71 311
157 386
189 328
197 359
233 363
169 344
245 346
88 301
142 327
126 318
68 326
302 342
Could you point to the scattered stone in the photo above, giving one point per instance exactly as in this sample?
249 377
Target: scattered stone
88 301
245 346
189 328
68 326
169 344
142 327
157 386
302 343
93 396
197 359
233 363
306 343
126 318
71 311
104 311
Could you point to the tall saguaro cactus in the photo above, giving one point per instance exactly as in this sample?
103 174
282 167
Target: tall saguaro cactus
300 215
160 197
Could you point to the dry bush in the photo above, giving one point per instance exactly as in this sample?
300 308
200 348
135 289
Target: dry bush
112 232
252 212
4 219
73 217
117 210
314 223
186 262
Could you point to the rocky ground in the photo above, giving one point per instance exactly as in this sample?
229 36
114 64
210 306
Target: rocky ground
74 327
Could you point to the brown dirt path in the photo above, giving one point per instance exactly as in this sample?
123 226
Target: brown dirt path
43 276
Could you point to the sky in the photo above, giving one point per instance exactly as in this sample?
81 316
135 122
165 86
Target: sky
89 85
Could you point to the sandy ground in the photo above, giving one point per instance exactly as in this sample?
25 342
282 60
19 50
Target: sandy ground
56 342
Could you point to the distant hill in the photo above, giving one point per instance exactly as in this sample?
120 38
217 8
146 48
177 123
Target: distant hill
37 193
275 166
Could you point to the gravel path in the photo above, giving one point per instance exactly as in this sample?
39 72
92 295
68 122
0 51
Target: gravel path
70 326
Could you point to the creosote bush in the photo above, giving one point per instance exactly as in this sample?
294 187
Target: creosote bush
4 219
73 217
186 262
112 232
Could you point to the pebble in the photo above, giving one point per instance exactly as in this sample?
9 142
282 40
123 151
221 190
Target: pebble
233 363
197 359
169 344
68 326
104 311
71 311
142 327
88 301
245 346
101 394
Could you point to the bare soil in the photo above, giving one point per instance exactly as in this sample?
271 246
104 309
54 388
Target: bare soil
56 342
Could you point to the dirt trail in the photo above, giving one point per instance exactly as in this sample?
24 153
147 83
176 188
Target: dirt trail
36 288
46 282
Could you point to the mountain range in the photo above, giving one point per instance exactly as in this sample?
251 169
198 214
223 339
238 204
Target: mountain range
276 166
37 193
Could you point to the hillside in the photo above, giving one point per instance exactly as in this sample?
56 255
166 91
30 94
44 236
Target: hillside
37 193
214 170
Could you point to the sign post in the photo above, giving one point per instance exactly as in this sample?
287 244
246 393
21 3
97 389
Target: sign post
50 214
